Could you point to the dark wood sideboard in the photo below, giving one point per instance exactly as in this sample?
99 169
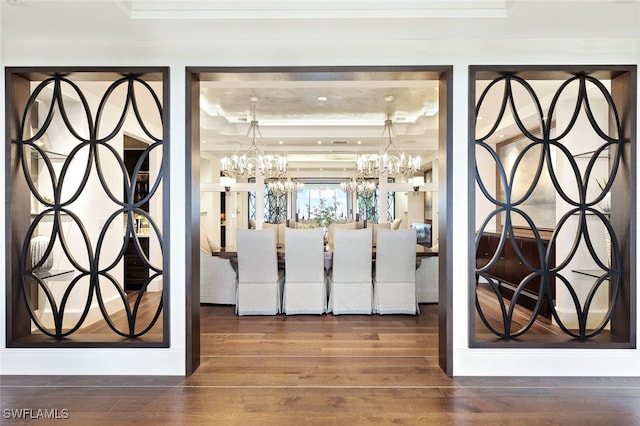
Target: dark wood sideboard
136 271
509 271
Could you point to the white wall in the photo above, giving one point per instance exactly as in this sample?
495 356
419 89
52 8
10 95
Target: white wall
309 52
210 200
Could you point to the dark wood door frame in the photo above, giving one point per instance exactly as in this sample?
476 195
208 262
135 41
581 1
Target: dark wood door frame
192 230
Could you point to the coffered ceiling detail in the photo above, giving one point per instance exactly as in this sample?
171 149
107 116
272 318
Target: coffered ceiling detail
324 119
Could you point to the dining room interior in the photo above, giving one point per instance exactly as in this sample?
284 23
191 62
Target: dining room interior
327 149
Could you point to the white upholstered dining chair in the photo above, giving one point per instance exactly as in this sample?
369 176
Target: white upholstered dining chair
335 225
394 284
305 290
376 226
280 227
259 280
217 276
351 290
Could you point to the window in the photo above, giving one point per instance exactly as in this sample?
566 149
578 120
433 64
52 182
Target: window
321 200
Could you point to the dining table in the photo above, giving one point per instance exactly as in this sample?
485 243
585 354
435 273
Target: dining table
231 253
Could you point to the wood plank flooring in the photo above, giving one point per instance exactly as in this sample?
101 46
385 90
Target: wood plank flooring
322 370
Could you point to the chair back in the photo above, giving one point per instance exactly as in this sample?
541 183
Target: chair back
304 255
204 243
257 256
334 226
280 227
376 226
207 243
352 255
217 279
396 255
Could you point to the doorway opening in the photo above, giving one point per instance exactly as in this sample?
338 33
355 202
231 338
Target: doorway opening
318 123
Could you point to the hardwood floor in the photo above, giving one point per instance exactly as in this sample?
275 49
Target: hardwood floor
324 370
521 315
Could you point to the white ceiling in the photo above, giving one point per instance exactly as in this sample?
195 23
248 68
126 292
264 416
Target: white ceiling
318 19
293 120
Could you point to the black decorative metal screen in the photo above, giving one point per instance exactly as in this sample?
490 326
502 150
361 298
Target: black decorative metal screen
275 206
88 155
391 202
368 206
553 202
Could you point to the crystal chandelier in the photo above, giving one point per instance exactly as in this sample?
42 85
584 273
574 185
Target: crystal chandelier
359 186
253 162
390 161
284 186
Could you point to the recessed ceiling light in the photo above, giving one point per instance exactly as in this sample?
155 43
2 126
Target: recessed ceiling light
280 142
322 98
359 142
319 142
500 136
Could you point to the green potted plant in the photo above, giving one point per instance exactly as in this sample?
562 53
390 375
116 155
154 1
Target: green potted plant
325 213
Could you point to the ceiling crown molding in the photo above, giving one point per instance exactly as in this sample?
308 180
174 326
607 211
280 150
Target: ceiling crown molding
313 9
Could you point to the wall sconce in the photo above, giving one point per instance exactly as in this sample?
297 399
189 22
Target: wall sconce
227 181
416 182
